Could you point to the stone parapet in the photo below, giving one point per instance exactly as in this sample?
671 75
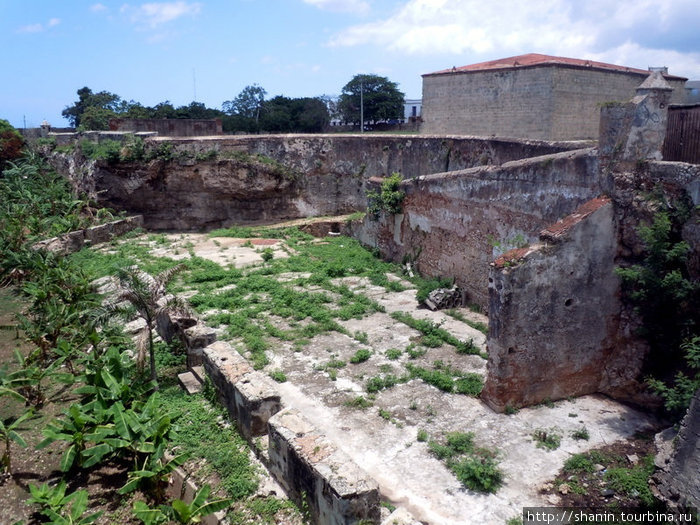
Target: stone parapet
249 396
316 473
74 241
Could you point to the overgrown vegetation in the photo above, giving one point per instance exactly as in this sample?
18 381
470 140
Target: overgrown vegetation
389 197
11 143
115 416
668 301
434 335
475 467
591 475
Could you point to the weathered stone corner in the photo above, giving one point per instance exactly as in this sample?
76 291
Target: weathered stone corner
550 334
314 472
249 396
634 131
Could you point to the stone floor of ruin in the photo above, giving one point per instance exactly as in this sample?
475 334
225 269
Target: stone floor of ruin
386 447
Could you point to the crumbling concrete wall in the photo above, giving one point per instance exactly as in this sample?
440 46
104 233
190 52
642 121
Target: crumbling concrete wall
454 224
212 182
169 127
250 396
554 325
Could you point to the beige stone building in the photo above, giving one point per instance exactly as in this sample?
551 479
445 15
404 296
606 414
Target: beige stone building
529 96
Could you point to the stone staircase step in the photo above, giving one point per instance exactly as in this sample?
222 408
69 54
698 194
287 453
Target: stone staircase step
189 382
199 373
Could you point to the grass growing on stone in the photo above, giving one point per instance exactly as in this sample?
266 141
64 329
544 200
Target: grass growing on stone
249 297
434 335
448 379
475 467
482 327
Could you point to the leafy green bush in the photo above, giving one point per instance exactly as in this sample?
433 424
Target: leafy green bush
279 376
633 481
425 286
476 468
11 143
478 472
388 199
579 463
662 292
108 150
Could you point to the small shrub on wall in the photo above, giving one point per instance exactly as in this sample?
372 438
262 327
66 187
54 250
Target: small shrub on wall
388 199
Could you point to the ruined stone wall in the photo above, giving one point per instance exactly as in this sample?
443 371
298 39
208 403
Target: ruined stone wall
454 224
554 324
214 182
546 102
557 324
677 481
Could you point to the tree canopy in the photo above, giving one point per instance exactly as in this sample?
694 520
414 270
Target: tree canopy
248 111
248 103
381 99
11 142
103 103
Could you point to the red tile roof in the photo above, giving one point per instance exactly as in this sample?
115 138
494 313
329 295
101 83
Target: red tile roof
535 59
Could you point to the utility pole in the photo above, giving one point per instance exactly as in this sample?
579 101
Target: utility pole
362 108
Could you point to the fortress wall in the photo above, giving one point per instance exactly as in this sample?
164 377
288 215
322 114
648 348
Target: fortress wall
212 182
455 224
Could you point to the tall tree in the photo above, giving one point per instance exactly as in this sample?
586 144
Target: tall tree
289 115
108 102
248 103
381 99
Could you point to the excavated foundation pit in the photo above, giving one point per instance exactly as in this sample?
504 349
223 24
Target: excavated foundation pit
382 438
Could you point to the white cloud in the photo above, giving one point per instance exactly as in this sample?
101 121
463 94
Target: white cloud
637 31
98 8
38 28
359 7
158 13
31 28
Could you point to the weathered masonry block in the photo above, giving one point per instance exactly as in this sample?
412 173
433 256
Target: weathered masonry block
554 309
74 241
249 396
313 471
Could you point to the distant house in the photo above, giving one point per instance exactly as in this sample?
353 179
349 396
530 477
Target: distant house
412 108
529 96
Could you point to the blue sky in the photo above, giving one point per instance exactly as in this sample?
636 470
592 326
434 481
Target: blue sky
209 50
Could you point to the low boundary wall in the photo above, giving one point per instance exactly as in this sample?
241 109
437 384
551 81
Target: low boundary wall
311 469
74 241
